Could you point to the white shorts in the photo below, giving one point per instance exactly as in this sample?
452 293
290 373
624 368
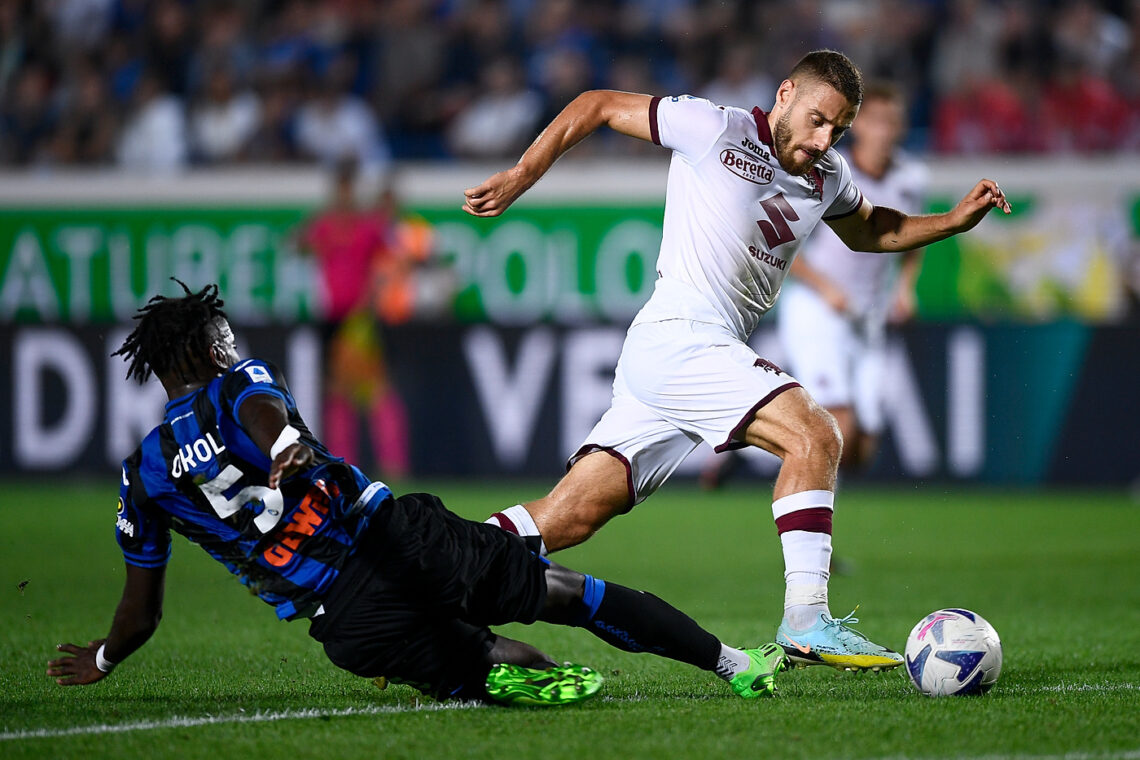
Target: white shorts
678 383
841 362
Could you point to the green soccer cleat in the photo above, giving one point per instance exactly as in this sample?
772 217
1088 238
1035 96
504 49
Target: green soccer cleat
560 685
760 678
831 642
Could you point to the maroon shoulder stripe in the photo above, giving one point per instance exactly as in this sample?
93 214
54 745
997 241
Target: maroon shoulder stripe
846 213
654 130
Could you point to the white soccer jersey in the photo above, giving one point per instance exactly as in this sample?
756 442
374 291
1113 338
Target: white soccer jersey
866 278
733 217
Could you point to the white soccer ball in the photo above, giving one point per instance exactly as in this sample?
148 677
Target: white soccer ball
953 651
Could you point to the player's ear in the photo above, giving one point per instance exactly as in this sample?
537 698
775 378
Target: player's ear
785 93
222 357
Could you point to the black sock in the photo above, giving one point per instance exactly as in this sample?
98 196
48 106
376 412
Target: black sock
636 621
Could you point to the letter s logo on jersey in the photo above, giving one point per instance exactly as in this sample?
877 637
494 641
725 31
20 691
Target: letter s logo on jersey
747 166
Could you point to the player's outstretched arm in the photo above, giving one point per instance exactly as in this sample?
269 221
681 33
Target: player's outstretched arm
136 620
624 112
266 420
879 229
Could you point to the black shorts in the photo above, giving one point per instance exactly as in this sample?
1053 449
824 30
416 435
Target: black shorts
414 601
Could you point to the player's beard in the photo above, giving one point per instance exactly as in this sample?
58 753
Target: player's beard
785 152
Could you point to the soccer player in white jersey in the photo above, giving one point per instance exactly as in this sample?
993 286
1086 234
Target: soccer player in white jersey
835 308
744 190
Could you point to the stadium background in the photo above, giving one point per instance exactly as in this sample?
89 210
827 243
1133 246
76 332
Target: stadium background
1020 375
142 140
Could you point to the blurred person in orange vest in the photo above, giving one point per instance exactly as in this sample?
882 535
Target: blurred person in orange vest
409 282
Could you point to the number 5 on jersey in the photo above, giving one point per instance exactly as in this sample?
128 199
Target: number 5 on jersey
271 500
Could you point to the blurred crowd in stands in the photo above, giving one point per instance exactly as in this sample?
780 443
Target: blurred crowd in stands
157 85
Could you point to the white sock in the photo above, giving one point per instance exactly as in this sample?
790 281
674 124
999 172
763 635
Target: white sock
731 662
518 521
807 560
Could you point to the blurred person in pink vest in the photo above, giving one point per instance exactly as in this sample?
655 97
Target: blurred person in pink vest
352 246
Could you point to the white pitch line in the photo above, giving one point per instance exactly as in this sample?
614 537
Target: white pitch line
1105 688
210 720
267 717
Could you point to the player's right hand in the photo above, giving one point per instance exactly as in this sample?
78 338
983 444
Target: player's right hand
984 196
496 193
294 458
79 667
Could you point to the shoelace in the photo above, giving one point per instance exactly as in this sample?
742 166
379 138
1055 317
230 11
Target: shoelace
842 624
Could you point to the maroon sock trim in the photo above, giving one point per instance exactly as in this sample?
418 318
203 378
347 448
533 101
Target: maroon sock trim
505 523
813 520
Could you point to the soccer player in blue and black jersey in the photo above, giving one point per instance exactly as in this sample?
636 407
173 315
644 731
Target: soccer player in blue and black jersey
394 587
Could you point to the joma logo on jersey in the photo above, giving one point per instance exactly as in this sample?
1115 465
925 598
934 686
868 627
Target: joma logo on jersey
747 166
757 149
767 258
200 451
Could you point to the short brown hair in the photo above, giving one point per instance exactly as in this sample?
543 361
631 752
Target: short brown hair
832 68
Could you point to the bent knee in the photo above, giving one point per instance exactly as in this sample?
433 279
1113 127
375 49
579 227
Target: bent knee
815 434
565 522
593 492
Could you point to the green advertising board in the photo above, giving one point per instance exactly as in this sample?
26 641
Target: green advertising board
100 264
567 263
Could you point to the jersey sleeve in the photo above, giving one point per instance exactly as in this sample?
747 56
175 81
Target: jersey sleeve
143 535
250 377
848 198
687 125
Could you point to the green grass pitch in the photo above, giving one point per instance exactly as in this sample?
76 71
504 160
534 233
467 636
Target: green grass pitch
1057 573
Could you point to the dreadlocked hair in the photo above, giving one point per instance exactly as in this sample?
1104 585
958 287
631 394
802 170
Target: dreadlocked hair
172 333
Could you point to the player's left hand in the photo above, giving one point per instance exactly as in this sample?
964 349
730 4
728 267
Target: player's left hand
986 195
79 667
293 459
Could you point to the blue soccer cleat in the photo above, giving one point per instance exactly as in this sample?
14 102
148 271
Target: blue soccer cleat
831 642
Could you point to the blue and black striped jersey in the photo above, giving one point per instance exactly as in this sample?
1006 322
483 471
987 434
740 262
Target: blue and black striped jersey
201 475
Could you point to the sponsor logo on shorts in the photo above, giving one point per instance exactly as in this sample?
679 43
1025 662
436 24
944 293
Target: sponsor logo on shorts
747 166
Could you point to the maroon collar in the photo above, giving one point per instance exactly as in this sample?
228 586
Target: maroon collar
763 131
